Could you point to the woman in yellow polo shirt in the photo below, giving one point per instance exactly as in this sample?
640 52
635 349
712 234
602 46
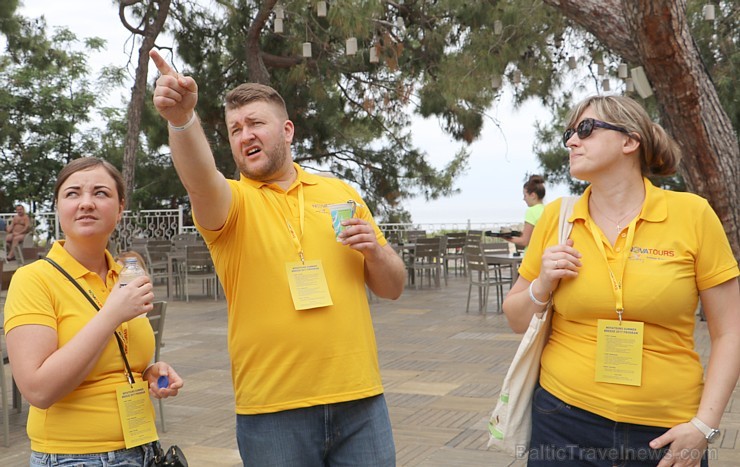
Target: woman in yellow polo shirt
84 372
620 380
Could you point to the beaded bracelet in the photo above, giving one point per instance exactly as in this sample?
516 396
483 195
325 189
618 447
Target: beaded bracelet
534 299
184 127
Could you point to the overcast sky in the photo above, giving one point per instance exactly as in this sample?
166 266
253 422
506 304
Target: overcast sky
491 190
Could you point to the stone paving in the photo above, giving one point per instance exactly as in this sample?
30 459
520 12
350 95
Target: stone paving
442 369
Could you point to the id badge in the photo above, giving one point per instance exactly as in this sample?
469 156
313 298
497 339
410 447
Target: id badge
137 415
619 352
308 286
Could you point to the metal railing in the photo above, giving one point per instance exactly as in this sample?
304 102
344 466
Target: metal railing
166 223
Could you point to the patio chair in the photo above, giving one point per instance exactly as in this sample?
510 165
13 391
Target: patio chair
198 265
428 260
482 276
156 319
473 237
454 252
503 272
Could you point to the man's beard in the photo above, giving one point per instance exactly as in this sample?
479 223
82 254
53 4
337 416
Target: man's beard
266 171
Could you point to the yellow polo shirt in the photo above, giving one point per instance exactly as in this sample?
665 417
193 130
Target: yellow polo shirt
679 248
87 419
282 358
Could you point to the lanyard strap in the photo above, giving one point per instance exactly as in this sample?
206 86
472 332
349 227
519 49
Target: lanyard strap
129 375
301 216
617 281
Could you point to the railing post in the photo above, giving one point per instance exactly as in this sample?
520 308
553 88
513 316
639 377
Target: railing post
180 220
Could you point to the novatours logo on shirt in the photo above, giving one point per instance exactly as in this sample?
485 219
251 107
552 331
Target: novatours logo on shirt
639 253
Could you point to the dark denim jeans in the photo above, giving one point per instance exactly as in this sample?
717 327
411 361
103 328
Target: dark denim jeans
356 433
566 435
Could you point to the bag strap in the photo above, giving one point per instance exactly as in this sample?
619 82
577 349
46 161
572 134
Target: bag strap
129 375
566 209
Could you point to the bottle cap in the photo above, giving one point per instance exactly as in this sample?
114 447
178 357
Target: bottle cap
163 382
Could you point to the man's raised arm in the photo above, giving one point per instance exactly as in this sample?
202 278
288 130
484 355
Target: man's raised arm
174 98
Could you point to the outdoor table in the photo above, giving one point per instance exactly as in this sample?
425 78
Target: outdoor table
506 259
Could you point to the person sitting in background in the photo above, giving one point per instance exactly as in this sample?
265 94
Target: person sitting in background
534 192
19 226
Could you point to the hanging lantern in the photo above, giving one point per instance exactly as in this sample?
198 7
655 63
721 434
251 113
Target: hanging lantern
321 9
629 85
622 71
601 69
498 27
496 81
374 56
708 11
572 62
280 12
516 77
605 85
641 83
278 26
307 49
399 23
351 46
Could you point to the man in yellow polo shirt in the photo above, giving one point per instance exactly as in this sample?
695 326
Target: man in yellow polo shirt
304 359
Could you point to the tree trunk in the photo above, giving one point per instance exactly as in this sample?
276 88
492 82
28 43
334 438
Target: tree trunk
655 34
152 28
255 65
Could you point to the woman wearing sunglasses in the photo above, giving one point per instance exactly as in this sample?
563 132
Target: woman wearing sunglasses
620 380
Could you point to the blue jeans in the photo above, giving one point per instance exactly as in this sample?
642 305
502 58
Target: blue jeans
355 433
566 435
140 456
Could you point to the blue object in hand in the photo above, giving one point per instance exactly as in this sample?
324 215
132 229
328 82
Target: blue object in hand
163 382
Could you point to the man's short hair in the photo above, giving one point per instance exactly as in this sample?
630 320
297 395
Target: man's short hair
252 92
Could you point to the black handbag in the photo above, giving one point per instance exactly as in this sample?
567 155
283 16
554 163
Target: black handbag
173 457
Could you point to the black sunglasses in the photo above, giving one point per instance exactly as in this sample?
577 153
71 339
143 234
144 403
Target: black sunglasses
585 128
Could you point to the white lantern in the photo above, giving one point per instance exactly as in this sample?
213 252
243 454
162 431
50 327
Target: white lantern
517 77
605 85
629 85
399 23
374 58
278 25
622 71
641 83
498 27
708 11
321 9
280 12
601 69
307 49
351 46
572 62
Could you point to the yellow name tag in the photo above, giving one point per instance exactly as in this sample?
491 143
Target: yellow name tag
308 285
137 414
619 352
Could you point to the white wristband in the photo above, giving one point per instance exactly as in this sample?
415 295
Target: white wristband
184 127
534 299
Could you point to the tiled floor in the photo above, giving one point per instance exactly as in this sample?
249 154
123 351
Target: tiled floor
442 369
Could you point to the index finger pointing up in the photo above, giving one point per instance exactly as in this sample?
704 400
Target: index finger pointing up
163 67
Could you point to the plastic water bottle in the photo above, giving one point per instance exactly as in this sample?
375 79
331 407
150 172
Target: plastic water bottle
131 270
